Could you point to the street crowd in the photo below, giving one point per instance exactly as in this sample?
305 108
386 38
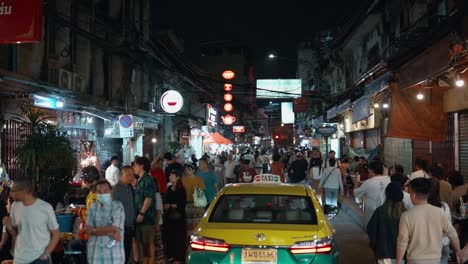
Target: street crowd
146 211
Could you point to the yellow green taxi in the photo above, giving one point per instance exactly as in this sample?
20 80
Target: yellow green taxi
264 222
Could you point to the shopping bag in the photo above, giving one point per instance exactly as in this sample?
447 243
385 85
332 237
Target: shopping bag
199 198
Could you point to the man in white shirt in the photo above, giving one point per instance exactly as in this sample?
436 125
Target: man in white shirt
420 165
113 172
33 223
229 165
373 189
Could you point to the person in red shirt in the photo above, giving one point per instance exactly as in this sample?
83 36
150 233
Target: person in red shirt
246 173
158 175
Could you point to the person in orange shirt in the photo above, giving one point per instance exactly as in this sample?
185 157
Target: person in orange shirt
277 167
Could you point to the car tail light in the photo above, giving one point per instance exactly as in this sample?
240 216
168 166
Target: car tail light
319 246
199 243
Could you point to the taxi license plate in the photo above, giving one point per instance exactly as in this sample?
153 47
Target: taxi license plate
259 256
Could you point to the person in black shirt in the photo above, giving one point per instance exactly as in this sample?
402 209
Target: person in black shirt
171 165
298 169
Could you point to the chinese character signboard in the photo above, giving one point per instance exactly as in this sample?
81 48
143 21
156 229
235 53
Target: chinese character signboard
20 21
211 116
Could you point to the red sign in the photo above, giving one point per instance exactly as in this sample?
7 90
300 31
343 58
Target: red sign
20 21
238 129
228 75
300 105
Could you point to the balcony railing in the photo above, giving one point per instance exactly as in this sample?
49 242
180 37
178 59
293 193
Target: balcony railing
416 36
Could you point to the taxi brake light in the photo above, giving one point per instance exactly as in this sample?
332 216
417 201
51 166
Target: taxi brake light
320 246
199 243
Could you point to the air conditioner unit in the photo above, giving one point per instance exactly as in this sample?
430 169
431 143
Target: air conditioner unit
65 79
79 83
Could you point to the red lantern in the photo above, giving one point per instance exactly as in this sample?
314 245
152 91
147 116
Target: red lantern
228 107
227 87
228 74
228 97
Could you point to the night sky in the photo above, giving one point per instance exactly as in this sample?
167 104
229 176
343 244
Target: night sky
263 26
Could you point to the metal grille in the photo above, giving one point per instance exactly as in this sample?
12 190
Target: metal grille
11 136
398 150
463 133
442 152
372 138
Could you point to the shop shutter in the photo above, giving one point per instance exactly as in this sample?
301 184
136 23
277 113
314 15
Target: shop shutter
357 139
463 134
398 150
372 138
444 152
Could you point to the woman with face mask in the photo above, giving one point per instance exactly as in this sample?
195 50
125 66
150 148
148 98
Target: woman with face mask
105 225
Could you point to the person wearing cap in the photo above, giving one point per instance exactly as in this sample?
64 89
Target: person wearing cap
382 228
298 169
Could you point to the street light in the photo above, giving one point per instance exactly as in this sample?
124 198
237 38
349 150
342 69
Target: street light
271 56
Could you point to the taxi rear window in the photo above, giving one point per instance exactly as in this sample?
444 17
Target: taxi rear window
262 208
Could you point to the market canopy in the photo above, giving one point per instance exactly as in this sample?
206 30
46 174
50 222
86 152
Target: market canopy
217 138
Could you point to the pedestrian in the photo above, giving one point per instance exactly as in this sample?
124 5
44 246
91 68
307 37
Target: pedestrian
298 169
459 187
175 219
347 180
422 228
332 182
382 228
277 166
421 170
209 179
219 171
265 160
402 179
147 217
105 227
246 173
331 155
158 175
434 200
113 171
33 223
170 164
229 169
446 191
191 182
373 189
7 244
123 192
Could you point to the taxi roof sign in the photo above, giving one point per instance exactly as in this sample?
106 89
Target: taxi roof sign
267 178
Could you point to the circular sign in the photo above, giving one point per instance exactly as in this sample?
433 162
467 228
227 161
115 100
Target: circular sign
126 121
171 101
228 75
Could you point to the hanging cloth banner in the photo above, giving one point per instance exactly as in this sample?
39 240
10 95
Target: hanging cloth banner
361 109
415 119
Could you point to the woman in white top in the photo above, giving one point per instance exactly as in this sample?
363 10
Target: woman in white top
332 182
434 199
420 165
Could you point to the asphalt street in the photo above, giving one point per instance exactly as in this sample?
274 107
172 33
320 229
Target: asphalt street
352 241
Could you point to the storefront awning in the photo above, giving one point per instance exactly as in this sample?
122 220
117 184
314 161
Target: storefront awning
217 138
417 119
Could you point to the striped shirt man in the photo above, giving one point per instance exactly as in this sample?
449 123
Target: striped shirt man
100 248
